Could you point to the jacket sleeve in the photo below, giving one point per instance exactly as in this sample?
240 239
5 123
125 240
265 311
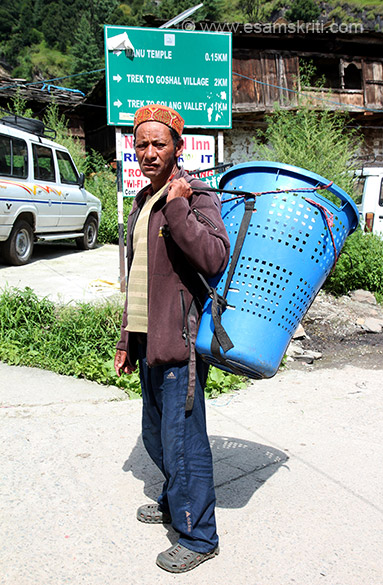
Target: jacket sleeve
197 228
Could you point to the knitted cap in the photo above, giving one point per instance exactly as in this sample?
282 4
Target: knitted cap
158 113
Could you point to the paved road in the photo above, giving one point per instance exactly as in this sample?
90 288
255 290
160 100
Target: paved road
297 470
65 274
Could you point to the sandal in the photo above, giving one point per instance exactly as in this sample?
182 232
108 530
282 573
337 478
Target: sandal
179 559
151 514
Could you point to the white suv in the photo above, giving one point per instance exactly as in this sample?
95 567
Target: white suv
371 208
42 195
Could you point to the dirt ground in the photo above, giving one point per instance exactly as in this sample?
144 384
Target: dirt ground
332 329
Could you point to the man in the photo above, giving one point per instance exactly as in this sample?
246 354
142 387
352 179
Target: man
174 233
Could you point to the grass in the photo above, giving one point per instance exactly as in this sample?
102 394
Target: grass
357 3
76 340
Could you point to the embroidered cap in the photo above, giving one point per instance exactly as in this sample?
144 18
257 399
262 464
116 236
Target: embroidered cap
158 113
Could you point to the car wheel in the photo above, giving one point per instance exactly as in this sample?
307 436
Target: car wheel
89 239
17 250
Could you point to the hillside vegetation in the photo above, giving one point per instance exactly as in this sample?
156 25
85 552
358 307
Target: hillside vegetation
42 39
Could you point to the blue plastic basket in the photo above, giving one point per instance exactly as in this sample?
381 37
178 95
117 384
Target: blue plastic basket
288 252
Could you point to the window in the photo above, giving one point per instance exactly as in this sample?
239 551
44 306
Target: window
352 78
5 156
322 71
359 188
67 169
381 194
13 157
43 165
19 158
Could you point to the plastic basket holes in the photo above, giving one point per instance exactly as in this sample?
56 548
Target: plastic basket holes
291 222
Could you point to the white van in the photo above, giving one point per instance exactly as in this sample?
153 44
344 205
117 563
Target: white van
371 208
42 195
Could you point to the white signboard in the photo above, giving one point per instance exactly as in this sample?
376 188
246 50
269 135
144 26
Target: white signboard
199 153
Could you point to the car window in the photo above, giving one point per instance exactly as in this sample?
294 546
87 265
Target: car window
43 165
67 170
359 188
19 158
5 156
381 193
13 157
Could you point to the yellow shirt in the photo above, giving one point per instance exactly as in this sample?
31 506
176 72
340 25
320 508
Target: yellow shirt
137 312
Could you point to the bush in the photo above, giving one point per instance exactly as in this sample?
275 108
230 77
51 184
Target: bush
101 181
360 265
317 141
303 10
74 340
77 341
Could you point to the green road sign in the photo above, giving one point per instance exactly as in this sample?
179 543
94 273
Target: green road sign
188 71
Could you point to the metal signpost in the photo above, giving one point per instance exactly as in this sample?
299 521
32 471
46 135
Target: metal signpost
187 71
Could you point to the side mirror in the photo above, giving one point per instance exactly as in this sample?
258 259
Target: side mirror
81 180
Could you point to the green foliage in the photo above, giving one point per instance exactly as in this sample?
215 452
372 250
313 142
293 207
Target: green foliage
304 10
219 382
252 9
86 55
9 15
76 340
338 14
59 123
360 265
308 76
320 142
49 62
18 105
101 181
167 9
60 25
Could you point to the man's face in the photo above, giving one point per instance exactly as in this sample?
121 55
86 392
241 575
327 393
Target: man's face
155 151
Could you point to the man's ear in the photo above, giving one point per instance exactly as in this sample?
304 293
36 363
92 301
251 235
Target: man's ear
179 148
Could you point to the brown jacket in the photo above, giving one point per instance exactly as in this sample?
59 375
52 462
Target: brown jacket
185 236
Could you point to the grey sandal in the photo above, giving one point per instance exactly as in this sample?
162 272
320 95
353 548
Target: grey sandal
151 514
179 559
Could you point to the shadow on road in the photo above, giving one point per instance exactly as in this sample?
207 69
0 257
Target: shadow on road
49 251
240 468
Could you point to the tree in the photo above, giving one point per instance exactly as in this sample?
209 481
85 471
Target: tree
9 15
252 9
211 10
304 10
86 55
54 26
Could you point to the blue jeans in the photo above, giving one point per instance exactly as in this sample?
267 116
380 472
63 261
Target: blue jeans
178 444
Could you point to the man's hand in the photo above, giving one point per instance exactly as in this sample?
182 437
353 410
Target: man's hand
120 364
179 188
